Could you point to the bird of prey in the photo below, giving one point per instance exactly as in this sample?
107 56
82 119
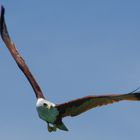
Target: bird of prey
52 113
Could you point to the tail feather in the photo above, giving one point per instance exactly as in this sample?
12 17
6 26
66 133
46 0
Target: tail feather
62 126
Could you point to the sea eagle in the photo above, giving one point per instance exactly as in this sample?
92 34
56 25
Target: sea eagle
52 113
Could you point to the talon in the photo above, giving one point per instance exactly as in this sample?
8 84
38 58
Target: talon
50 128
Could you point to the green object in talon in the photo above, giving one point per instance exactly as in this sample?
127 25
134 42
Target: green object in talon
51 128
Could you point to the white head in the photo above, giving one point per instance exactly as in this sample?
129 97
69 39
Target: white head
44 103
46 110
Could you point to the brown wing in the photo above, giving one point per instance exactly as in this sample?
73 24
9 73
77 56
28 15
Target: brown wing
19 60
78 106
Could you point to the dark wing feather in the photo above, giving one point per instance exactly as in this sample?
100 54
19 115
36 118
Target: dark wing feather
78 106
19 60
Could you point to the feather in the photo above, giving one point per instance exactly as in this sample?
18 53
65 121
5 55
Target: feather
19 60
78 106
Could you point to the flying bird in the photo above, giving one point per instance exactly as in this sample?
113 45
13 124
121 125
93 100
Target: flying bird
52 113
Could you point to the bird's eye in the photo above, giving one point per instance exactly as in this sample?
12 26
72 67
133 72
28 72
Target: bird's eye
44 104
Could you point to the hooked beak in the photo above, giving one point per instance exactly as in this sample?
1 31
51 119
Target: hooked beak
49 106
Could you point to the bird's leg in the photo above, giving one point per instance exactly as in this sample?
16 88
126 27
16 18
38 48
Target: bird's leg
51 128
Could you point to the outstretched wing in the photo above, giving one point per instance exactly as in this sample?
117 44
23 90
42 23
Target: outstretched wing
19 60
78 106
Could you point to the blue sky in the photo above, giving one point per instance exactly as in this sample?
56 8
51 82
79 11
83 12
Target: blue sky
74 49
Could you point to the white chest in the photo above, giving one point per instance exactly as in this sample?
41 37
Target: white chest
48 115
